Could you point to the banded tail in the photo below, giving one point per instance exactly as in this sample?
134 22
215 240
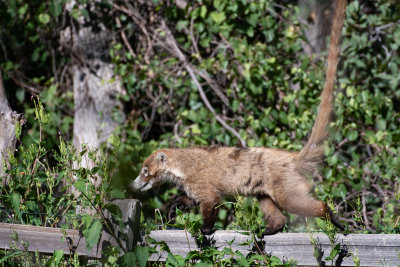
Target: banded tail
313 151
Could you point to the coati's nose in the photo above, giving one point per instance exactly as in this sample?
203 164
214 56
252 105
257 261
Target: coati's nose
137 184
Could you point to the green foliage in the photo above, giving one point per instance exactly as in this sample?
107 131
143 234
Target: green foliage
248 216
33 195
92 231
139 256
209 255
262 84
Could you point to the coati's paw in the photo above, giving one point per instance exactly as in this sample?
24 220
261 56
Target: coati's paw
183 203
172 211
271 231
335 220
340 225
174 206
206 230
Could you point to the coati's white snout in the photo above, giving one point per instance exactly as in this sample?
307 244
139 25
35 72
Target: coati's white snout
141 185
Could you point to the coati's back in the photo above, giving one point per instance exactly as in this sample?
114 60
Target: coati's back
225 170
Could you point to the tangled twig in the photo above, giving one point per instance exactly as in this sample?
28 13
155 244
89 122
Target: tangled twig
171 43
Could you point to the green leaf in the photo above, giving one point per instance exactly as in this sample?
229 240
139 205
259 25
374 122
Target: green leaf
55 8
117 193
182 25
142 255
84 12
15 201
333 253
57 256
114 210
10 255
241 259
252 20
321 223
275 261
81 186
218 17
352 135
129 259
92 235
94 170
381 125
32 205
44 18
203 11
22 10
116 213
87 220
175 261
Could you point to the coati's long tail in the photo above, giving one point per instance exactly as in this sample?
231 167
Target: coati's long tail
313 151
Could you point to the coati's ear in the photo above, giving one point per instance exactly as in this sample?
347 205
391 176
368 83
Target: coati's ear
162 158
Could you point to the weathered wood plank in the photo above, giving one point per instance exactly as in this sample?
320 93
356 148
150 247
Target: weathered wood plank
46 239
372 249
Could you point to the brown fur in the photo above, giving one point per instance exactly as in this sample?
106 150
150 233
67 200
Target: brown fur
277 178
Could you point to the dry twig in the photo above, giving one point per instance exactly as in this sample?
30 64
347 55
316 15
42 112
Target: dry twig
172 45
123 35
135 16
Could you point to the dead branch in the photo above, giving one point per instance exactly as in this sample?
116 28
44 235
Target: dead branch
364 212
172 44
123 35
135 16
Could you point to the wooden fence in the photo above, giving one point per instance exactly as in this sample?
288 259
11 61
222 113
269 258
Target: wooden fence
371 249
45 239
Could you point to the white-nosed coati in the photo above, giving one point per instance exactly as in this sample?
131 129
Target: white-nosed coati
277 178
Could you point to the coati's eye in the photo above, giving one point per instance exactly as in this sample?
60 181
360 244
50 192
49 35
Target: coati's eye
145 171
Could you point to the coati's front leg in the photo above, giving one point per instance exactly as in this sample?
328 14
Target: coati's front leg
209 213
182 203
273 215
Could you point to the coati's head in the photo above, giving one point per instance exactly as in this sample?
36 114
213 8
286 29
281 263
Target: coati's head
156 170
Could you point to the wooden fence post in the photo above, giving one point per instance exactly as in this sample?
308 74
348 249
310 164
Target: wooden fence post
128 236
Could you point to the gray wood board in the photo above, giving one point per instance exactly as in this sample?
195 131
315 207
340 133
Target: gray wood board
372 249
45 239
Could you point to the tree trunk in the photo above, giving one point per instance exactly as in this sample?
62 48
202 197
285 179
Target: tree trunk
7 132
316 16
96 102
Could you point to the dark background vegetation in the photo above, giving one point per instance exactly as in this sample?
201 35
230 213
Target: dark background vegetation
251 60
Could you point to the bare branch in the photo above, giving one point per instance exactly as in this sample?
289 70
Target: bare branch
171 42
141 23
203 74
123 35
364 213
34 91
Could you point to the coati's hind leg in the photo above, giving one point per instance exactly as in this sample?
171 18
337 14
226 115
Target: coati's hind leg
209 213
273 215
303 204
